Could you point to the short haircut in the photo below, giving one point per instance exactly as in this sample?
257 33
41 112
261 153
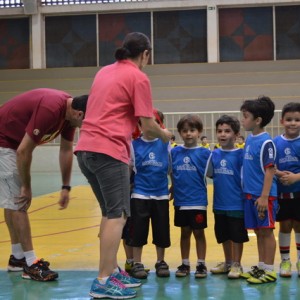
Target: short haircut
203 137
134 44
233 122
80 102
192 120
262 107
290 107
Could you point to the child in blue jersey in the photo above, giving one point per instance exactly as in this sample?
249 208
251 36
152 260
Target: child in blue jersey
288 185
149 201
259 186
228 206
189 165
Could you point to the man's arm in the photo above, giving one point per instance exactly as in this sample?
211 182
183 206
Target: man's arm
151 128
24 159
65 162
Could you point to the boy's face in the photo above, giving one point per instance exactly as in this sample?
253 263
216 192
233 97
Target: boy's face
291 124
240 140
248 121
204 141
226 137
190 136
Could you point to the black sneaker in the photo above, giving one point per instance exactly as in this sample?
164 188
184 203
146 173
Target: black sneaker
183 271
162 269
39 271
16 265
201 271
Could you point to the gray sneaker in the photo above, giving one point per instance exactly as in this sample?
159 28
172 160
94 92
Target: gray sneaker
138 271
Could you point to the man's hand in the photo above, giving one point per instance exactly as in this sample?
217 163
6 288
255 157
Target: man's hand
24 200
64 199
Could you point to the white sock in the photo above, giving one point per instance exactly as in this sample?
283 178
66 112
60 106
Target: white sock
103 280
269 268
200 261
284 240
17 251
186 261
261 265
30 257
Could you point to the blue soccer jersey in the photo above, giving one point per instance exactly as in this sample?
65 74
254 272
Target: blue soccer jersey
226 172
259 153
189 167
288 159
150 160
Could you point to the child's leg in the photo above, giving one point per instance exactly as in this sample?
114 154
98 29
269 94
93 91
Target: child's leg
160 252
200 243
228 251
260 248
268 243
185 242
237 251
284 238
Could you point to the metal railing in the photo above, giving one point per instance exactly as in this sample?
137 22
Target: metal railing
209 120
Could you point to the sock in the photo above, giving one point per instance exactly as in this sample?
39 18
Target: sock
297 240
284 245
102 280
30 257
261 265
116 270
17 251
186 261
269 268
200 261
129 260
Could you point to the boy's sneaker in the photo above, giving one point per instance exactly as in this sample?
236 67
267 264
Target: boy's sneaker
39 271
220 268
235 271
138 271
263 276
183 271
251 273
127 280
15 265
201 271
285 268
298 267
129 265
162 269
113 289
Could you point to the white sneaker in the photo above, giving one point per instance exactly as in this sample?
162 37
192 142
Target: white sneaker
220 268
235 271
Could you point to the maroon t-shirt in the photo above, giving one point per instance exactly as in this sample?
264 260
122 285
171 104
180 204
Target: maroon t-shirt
40 113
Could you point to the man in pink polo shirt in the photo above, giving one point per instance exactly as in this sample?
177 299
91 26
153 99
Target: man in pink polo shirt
120 96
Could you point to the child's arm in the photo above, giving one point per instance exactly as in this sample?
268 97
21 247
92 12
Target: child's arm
171 196
288 178
262 202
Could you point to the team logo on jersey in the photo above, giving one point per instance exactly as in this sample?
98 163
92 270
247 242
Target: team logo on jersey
223 163
287 151
152 155
271 153
36 131
186 160
247 154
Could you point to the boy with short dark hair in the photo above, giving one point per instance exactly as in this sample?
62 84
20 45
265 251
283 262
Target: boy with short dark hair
189 165
225 168
288 185
259 186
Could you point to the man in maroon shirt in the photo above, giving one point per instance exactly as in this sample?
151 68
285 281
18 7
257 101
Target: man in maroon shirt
26 121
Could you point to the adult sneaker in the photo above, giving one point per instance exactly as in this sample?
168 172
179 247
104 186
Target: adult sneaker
251 273
285 268
263 276
220 268
235 271
113 289
15 265
39 271
127 280
138 271
162 269
183 270
201 271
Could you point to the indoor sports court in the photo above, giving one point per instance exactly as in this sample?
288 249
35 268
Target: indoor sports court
68 239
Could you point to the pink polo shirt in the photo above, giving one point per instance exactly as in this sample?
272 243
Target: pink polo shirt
119 95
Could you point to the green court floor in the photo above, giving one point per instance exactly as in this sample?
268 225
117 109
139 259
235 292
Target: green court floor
75 285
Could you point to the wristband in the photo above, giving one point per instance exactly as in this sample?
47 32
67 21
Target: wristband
66 187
